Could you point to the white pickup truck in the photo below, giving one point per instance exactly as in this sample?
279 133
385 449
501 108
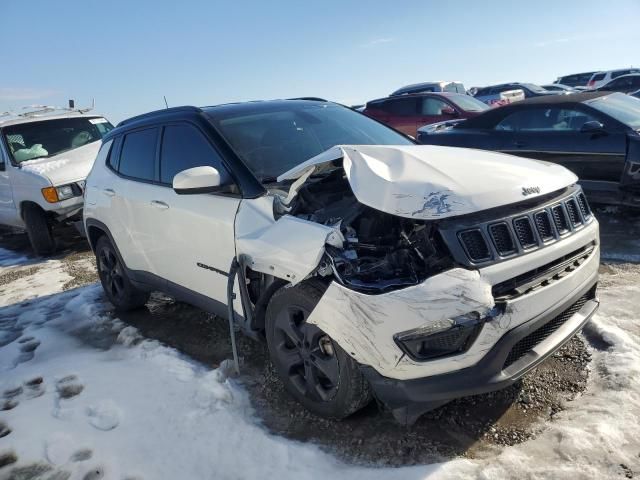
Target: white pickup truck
44 161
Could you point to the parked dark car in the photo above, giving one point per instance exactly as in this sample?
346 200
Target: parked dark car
530 90
407 113
575 79
594 134
625 84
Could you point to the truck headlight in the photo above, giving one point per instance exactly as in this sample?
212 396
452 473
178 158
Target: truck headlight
446 337
58 194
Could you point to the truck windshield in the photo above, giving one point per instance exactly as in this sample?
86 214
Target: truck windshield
46 138
624 108
272 138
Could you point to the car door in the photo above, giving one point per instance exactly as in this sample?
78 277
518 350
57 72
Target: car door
130 194
194 242
403 113
434 110
555 134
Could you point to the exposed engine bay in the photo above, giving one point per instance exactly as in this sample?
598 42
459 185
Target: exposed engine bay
379 252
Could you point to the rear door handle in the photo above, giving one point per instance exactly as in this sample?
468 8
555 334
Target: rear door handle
159 204
109 192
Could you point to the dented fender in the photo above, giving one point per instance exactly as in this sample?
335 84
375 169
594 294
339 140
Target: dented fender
364 325
289 247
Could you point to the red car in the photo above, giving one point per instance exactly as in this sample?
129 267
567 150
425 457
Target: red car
407 113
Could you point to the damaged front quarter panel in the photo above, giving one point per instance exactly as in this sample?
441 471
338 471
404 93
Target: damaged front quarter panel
289 248
364 325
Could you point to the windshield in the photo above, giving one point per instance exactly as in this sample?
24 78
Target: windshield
534 88
468 103
272 138
624 108
46 138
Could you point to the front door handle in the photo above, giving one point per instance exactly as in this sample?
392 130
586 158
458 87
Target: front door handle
110 192
520 143
159 204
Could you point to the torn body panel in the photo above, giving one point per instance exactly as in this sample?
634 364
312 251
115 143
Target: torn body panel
289 248
427 182
365 325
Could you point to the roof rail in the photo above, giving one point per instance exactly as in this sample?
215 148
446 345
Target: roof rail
315 99
43 110
186 108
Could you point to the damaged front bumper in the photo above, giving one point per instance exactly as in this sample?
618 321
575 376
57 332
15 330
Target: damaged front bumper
366 326
517 352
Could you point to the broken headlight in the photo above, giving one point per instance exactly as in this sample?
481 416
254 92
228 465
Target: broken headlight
449 336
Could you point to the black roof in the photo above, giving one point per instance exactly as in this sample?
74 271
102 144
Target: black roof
189 111
489 118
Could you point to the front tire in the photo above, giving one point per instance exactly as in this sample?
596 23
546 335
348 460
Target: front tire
38 230
115 282
314 369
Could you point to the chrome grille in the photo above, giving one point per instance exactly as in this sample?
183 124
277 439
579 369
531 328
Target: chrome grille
584 206
493 240
475 245
572 210
543 224
524 232
502 239
560 219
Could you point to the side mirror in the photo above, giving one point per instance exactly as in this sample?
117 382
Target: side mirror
449 111
592 126
196 180
3 166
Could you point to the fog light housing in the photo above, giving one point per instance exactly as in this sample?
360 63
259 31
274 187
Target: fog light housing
447 337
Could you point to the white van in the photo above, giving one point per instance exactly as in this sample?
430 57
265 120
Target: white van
44 161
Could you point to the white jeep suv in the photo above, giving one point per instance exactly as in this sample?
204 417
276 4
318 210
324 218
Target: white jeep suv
44 161
372 266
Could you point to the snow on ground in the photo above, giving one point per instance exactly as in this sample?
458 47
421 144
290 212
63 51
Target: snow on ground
91 397
9 258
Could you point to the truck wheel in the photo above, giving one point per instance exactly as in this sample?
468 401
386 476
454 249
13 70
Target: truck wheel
115 282
313 368
38 230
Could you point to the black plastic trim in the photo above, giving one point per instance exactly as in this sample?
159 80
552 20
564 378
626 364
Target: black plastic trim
422 394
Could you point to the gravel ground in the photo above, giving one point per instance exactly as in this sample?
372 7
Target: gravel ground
470 427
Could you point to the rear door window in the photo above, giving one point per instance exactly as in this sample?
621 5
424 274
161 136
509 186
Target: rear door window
598 76
433 106
138 156
403 107
183 147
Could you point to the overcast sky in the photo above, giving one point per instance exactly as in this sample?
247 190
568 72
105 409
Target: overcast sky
128 54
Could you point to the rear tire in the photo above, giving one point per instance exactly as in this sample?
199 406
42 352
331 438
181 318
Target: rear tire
38 230
314 369
115 282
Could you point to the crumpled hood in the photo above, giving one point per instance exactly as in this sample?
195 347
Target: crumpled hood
65 167
430 182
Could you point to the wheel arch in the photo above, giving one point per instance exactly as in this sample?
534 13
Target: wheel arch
95 230
29 204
